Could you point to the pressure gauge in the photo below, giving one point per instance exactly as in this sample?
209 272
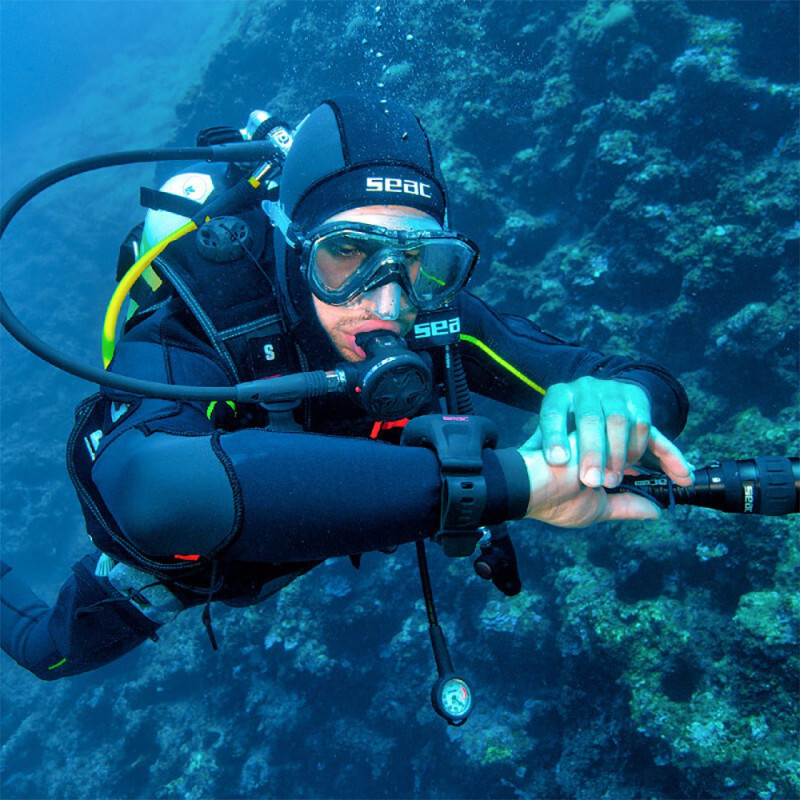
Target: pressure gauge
452 699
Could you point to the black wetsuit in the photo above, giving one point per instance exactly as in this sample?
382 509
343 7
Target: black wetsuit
179 482
257 485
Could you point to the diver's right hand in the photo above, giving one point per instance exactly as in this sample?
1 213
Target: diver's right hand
558 496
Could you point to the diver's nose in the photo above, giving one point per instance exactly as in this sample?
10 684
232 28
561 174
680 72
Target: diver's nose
386 301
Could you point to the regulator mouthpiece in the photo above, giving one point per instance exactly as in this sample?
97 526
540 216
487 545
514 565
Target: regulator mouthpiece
392 382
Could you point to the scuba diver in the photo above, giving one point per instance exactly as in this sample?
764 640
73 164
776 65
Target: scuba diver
348 264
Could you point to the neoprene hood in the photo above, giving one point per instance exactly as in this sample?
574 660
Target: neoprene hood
350 151
359 151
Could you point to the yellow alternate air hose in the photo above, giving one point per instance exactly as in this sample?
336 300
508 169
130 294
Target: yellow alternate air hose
124 286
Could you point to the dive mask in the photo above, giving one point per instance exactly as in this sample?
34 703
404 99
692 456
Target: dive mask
344 259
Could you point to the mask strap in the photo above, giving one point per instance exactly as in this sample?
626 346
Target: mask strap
280 220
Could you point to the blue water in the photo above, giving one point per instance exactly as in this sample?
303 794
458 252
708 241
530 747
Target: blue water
631 178
50 49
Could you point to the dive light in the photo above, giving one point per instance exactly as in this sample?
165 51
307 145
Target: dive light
768 485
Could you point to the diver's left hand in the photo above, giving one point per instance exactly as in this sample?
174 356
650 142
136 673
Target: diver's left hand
611 420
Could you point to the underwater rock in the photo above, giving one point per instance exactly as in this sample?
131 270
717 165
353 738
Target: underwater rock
770 619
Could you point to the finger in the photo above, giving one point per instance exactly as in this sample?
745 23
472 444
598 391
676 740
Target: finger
672 461
617 436
553 424
627 505
590 424
534 443
638 440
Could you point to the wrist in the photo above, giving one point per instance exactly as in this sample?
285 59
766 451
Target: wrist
538 472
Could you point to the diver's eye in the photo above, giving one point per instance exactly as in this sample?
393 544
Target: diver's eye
343 248
346 250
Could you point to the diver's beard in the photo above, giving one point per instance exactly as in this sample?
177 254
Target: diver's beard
399 325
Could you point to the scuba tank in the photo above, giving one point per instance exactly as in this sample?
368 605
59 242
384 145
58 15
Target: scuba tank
183 195
200 181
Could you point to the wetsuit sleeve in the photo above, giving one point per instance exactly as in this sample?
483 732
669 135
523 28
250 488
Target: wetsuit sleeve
510 359
175 485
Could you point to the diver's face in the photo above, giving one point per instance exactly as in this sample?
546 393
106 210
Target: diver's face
385 308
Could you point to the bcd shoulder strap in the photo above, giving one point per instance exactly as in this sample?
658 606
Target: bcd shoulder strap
223 273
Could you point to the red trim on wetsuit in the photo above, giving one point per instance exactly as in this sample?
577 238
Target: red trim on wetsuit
379 427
